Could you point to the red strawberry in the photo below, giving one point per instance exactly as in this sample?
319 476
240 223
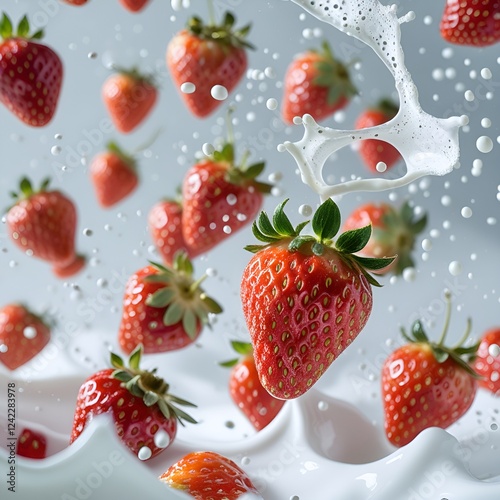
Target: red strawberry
426 384
206 475
43 224
22 335
76 2
487 361
219 199
394 232
305 299
144 412
470 22
134 5
129 98
113 174
164 308
30 74
205 56
373 151
247 391
317 84
31 444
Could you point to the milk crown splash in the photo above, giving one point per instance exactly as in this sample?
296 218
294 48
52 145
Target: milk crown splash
428 145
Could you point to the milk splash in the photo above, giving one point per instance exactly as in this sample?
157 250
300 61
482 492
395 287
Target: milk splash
428 145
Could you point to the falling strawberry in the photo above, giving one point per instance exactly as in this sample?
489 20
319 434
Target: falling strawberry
31 444
206 475
43 224
469 22
316 84
206 55
426 384
305 298
487 361
129 97
22 335
164 308
373 151
247 391
394 232
134 5
114 175
31 74
145 414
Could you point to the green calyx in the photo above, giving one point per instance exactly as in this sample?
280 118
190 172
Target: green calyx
387 107
182 297
458 353
127 158
146 385
241 348
136 75
26 190
22 31
325 225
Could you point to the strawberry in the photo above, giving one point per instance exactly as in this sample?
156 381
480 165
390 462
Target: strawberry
22 335
305 298
206 55
426 384
469 22
373 151
31 74
487 361
75 2
113 174
206 475
164 308
219 199
129 97
31 444
145 414
247 391
317 84
43 223
394 232
134 5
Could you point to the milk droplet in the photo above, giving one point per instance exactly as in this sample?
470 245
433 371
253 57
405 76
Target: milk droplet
494 350
55 150
322 406
269 72
245 460
486 123
469 95
427 244
219 92
484 144
3 348
145 453
409 274
207 149
272 104
161 439
305 210
486 73
29 332
381 166
466 212
87 232
446 200
455 268
188 88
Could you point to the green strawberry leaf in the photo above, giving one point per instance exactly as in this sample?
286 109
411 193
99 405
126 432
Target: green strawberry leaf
254 248
266 228
281 221
211 305
161 298
326 220
243 348
189 323
173 314
440 354
23 28
297 242
122 376
418 332
134 360
38 35
116 361
353 241
6 27
150 398
373 264
230 363
255 170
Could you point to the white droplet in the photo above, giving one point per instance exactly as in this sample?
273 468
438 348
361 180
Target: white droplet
188 88
438 74
466 212
58 136
469 95
269 72
29 332
101 283
145 453
428 20
87 232
427 244
161 439
455 268
272 104
92 55
245 460
322 406
207 149
494 350
409 274
219 92
3 348
381 166
227 229
55 150
446 200
486 123
305 210
486 73
484 144
491 221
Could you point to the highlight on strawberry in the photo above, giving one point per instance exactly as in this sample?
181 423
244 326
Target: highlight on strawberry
305 298
487 361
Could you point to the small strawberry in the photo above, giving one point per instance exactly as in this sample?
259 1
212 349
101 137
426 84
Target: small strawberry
129 98
316 84
305 298
373 151
31 444
206 55
394 232
206 475
43 224
31 74
469 22
75 2
247 391
164 308
426 384
114 175
487 361
145 414
134 5
22 335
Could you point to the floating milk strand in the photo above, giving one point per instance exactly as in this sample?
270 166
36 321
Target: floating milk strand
429 145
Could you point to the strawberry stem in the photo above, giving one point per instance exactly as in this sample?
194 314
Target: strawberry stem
464 336
447 297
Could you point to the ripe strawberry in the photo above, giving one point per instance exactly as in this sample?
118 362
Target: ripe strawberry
31 74
469 22
145 414
114 175
487 361
129 98
317 84
426 384
43 224
373 151
394 232
305 299
22 335
219 199
247 391
206 475
164 308
134 5
31 444
205 56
